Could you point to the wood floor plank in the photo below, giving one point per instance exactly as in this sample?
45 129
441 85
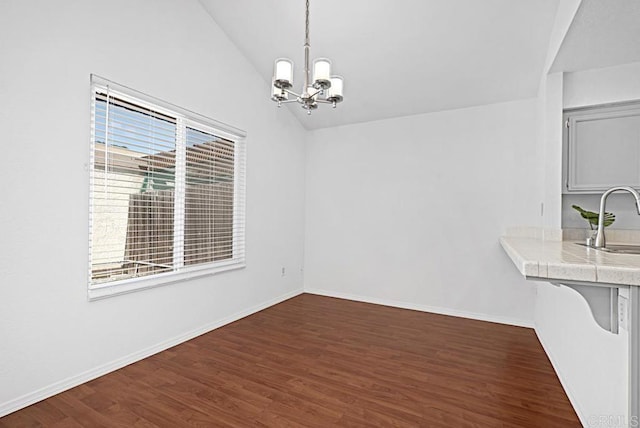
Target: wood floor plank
315 361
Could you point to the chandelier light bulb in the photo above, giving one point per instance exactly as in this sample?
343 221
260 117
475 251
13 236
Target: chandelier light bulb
334 93
321 73
283 75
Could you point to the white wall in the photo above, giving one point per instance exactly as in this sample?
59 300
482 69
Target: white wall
590 362
549 126
407 211
50 335
602 86
551 134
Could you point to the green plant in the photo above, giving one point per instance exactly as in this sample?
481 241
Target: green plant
592 217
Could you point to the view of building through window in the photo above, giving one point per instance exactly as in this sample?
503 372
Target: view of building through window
162 193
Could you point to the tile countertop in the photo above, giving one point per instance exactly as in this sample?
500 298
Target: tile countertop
555 260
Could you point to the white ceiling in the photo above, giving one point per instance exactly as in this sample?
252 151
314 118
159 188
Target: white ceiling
604 33
398 57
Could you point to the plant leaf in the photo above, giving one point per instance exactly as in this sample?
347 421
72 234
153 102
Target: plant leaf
592 217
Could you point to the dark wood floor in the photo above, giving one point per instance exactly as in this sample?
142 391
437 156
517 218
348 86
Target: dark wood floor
321 362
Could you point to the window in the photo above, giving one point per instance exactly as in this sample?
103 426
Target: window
601 148
166 193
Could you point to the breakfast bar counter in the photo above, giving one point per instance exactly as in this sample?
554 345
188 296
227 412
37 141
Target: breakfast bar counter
552 261
609 282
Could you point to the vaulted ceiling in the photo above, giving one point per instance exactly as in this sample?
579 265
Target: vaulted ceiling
604 33
405 57
398 57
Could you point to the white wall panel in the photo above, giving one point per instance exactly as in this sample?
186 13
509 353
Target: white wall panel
409 210
50 335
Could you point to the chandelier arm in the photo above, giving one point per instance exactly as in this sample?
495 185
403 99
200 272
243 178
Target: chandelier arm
291 92
315 93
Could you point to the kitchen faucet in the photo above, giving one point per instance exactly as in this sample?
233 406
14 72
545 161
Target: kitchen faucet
600 240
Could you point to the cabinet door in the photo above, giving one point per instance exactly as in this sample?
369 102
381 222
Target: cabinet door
603 149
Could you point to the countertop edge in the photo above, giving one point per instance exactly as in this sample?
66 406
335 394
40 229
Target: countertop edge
555 261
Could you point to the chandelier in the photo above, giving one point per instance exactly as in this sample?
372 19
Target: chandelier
324 88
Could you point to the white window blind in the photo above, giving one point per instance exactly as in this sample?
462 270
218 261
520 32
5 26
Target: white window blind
166 192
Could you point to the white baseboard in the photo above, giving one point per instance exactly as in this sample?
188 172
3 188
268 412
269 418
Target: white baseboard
422 308
63 385
574 402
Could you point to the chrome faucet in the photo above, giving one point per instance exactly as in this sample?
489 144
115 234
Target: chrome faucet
600 241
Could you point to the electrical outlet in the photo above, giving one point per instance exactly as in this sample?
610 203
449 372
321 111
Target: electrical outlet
623 314
283 271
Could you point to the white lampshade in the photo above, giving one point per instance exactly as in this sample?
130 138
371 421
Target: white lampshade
321 72
283 73
334 93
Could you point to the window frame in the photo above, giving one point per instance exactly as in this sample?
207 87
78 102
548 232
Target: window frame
184 119
573 146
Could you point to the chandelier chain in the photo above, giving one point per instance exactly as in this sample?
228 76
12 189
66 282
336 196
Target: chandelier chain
306 27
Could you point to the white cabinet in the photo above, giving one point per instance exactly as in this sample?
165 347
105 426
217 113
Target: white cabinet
601 148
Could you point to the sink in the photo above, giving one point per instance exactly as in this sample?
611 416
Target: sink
624 249
615 248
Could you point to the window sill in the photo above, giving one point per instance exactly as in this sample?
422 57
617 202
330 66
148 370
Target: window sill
116 288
